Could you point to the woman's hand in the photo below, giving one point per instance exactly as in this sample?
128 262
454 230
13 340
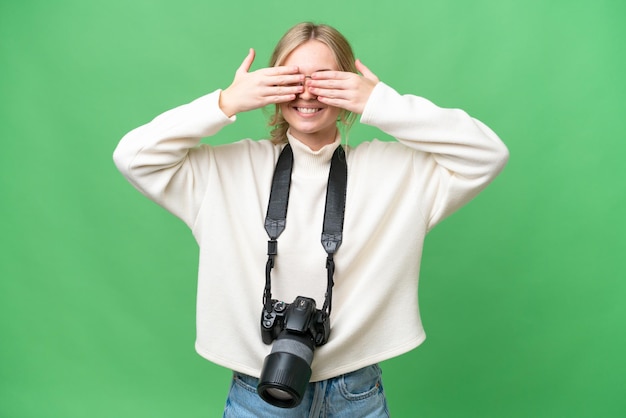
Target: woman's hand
346 90
253 90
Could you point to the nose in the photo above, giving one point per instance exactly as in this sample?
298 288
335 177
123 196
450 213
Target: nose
306 94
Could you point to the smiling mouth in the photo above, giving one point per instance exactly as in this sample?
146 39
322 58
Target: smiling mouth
308 110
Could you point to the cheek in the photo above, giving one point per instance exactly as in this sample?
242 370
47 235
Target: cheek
334 113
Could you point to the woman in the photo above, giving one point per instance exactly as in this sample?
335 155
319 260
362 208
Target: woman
395 193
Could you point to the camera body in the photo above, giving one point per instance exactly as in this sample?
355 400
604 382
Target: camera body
299 317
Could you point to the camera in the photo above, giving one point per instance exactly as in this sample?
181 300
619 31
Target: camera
297 329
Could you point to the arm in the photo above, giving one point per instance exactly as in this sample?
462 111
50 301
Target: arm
466 154
162 159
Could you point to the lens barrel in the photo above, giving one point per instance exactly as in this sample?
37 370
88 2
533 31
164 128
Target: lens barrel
287 370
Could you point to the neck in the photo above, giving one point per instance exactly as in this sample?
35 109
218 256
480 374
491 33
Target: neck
309 162
318 140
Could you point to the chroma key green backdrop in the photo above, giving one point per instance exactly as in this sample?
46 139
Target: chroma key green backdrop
523 292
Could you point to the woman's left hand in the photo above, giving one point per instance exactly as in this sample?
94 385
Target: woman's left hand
346 90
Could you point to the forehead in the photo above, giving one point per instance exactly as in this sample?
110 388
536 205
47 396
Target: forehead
312 56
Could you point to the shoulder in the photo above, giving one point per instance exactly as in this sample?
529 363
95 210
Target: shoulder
254 153
392 158
378 149
251 146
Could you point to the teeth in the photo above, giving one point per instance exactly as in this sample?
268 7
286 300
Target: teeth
306 110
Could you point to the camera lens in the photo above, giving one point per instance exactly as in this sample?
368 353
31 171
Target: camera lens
287 370
279 394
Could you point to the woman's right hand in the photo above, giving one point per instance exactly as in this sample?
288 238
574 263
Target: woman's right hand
253 90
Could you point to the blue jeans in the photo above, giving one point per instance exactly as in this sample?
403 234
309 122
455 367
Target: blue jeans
356 394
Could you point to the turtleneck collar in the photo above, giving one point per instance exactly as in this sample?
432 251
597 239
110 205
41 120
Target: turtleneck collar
312 163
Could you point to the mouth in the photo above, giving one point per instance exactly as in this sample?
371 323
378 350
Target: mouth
308 110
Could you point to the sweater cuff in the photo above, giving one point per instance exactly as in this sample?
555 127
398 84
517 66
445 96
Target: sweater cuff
369 112
209 104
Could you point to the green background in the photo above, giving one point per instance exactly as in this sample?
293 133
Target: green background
522 291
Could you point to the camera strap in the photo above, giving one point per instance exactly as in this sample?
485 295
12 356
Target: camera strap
332 231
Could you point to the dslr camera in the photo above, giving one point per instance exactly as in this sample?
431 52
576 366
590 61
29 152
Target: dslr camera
297 329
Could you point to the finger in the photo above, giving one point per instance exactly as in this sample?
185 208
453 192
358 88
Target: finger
286 80
319 87
367 73
331 93
247 62
323 87
282 70
331 75
277 98
289 90
284 98
334 80
335 102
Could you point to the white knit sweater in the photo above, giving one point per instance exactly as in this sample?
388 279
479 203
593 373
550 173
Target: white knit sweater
397 191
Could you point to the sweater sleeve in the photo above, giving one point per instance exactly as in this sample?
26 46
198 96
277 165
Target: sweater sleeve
459 154
163 159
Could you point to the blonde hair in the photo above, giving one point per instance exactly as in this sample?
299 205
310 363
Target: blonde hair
296 36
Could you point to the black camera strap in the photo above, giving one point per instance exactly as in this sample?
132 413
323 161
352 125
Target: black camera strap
332 231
